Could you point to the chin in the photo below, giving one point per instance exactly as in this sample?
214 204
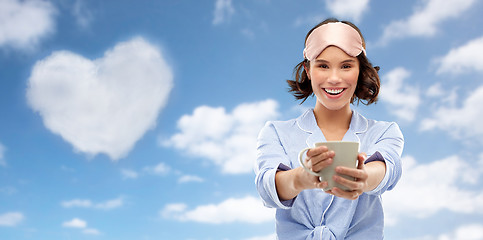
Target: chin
334 106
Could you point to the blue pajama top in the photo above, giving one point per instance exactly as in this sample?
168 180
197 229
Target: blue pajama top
314 214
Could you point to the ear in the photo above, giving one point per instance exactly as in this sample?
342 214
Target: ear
306 68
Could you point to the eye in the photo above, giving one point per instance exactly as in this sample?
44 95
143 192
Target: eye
346 66
323 66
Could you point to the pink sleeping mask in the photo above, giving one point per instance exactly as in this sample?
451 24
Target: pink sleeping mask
336 34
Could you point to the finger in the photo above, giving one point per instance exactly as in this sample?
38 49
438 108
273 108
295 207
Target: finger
310 181
352 195
338 192
351 172
361 158
316 151
322 164
353 185
322 157
321 161
308 162
322 185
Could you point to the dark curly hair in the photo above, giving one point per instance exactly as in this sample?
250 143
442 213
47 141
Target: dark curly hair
368 82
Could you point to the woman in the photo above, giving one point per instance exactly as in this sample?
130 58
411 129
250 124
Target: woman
336 70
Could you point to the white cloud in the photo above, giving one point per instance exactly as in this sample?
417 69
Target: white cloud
75 223
464 232
435 91
81 224
439 95
105 105
347 9
462 122
190 178
160 169
403 98
425 19
24 23
110 204
82 14
223 11
425 189
3 162
91 231
227 139
11 219
272 236
463 59
173 209
86 203
248 210
129 174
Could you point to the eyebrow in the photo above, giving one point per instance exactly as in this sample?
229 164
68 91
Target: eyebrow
325 61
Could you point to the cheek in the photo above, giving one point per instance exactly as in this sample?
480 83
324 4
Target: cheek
353 77
318 77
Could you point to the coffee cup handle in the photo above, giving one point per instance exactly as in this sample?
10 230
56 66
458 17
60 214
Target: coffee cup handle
303 164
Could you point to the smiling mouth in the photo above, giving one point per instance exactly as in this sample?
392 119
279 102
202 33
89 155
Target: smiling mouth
334 91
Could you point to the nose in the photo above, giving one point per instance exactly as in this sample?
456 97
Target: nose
334 77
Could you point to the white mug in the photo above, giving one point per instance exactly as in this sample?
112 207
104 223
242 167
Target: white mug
345 155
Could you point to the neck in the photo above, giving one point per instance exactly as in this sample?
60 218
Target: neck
333 120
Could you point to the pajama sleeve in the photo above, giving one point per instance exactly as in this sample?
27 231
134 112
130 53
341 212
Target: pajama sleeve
388 147
271 158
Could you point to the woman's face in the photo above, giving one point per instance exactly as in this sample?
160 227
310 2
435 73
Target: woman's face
333 76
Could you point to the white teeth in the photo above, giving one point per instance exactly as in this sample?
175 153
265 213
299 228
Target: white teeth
334 91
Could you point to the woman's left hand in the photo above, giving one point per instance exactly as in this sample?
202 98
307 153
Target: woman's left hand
358 186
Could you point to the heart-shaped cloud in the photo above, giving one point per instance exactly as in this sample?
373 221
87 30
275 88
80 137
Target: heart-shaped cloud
105 105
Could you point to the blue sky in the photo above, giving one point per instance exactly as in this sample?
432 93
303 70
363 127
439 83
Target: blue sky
138 119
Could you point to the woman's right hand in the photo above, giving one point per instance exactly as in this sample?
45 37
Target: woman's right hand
317 159
290 183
